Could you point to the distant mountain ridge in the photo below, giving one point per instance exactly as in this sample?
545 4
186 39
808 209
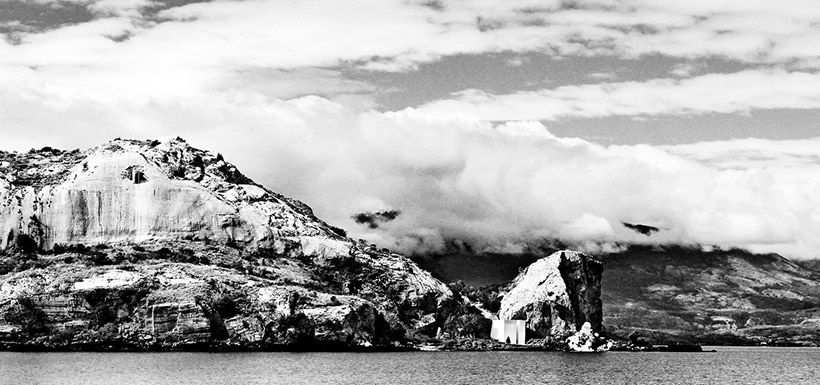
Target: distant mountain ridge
715 298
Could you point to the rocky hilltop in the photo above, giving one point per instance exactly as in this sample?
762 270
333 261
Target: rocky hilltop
158 245
135 191
556 295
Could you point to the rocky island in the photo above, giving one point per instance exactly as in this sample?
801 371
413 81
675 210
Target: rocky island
149 245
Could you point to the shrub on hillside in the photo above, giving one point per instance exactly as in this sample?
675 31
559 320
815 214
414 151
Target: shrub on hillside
28 316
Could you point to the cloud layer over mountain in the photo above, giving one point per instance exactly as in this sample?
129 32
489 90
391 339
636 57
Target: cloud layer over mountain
264 83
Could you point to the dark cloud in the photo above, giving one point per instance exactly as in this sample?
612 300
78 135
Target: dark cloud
29 16
642 229
24 16
375 219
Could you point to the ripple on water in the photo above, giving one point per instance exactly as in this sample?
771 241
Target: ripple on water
752 365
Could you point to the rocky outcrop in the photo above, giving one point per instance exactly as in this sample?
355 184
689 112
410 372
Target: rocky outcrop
169 305
587 341
158 245
556 295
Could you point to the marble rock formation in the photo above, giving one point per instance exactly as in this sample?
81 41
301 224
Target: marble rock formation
140 190
556 295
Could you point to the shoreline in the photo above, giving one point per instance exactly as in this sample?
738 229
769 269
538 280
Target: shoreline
210 348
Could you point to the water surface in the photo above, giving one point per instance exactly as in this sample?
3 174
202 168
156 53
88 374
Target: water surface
736 365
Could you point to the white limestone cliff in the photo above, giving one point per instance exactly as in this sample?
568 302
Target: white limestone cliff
556 295
139 190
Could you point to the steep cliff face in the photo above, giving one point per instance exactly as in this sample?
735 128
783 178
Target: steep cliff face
139 190
556 295
187 251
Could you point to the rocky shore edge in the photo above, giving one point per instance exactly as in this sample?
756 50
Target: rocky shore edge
445 346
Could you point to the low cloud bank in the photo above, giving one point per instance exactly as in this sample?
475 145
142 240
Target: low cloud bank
225 77
496 187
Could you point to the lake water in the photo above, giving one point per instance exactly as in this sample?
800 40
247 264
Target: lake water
736 365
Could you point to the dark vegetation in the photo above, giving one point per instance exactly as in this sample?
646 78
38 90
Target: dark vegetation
488 296
219 305
21 255
25 313
21 163
811 264
25 254
108 308
338 231
462 321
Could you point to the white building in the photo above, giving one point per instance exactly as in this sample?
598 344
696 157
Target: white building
509 331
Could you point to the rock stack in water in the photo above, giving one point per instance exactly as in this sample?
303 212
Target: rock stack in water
158 245
556 296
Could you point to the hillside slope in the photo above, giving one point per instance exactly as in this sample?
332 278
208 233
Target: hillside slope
718 297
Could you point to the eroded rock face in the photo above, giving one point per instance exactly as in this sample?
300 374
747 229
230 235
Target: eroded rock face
188 251
556 295
138 190
170 304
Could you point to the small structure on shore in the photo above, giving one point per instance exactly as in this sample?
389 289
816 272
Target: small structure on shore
509 331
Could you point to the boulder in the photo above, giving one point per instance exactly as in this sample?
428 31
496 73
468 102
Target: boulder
587 341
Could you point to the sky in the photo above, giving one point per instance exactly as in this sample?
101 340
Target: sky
500 125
